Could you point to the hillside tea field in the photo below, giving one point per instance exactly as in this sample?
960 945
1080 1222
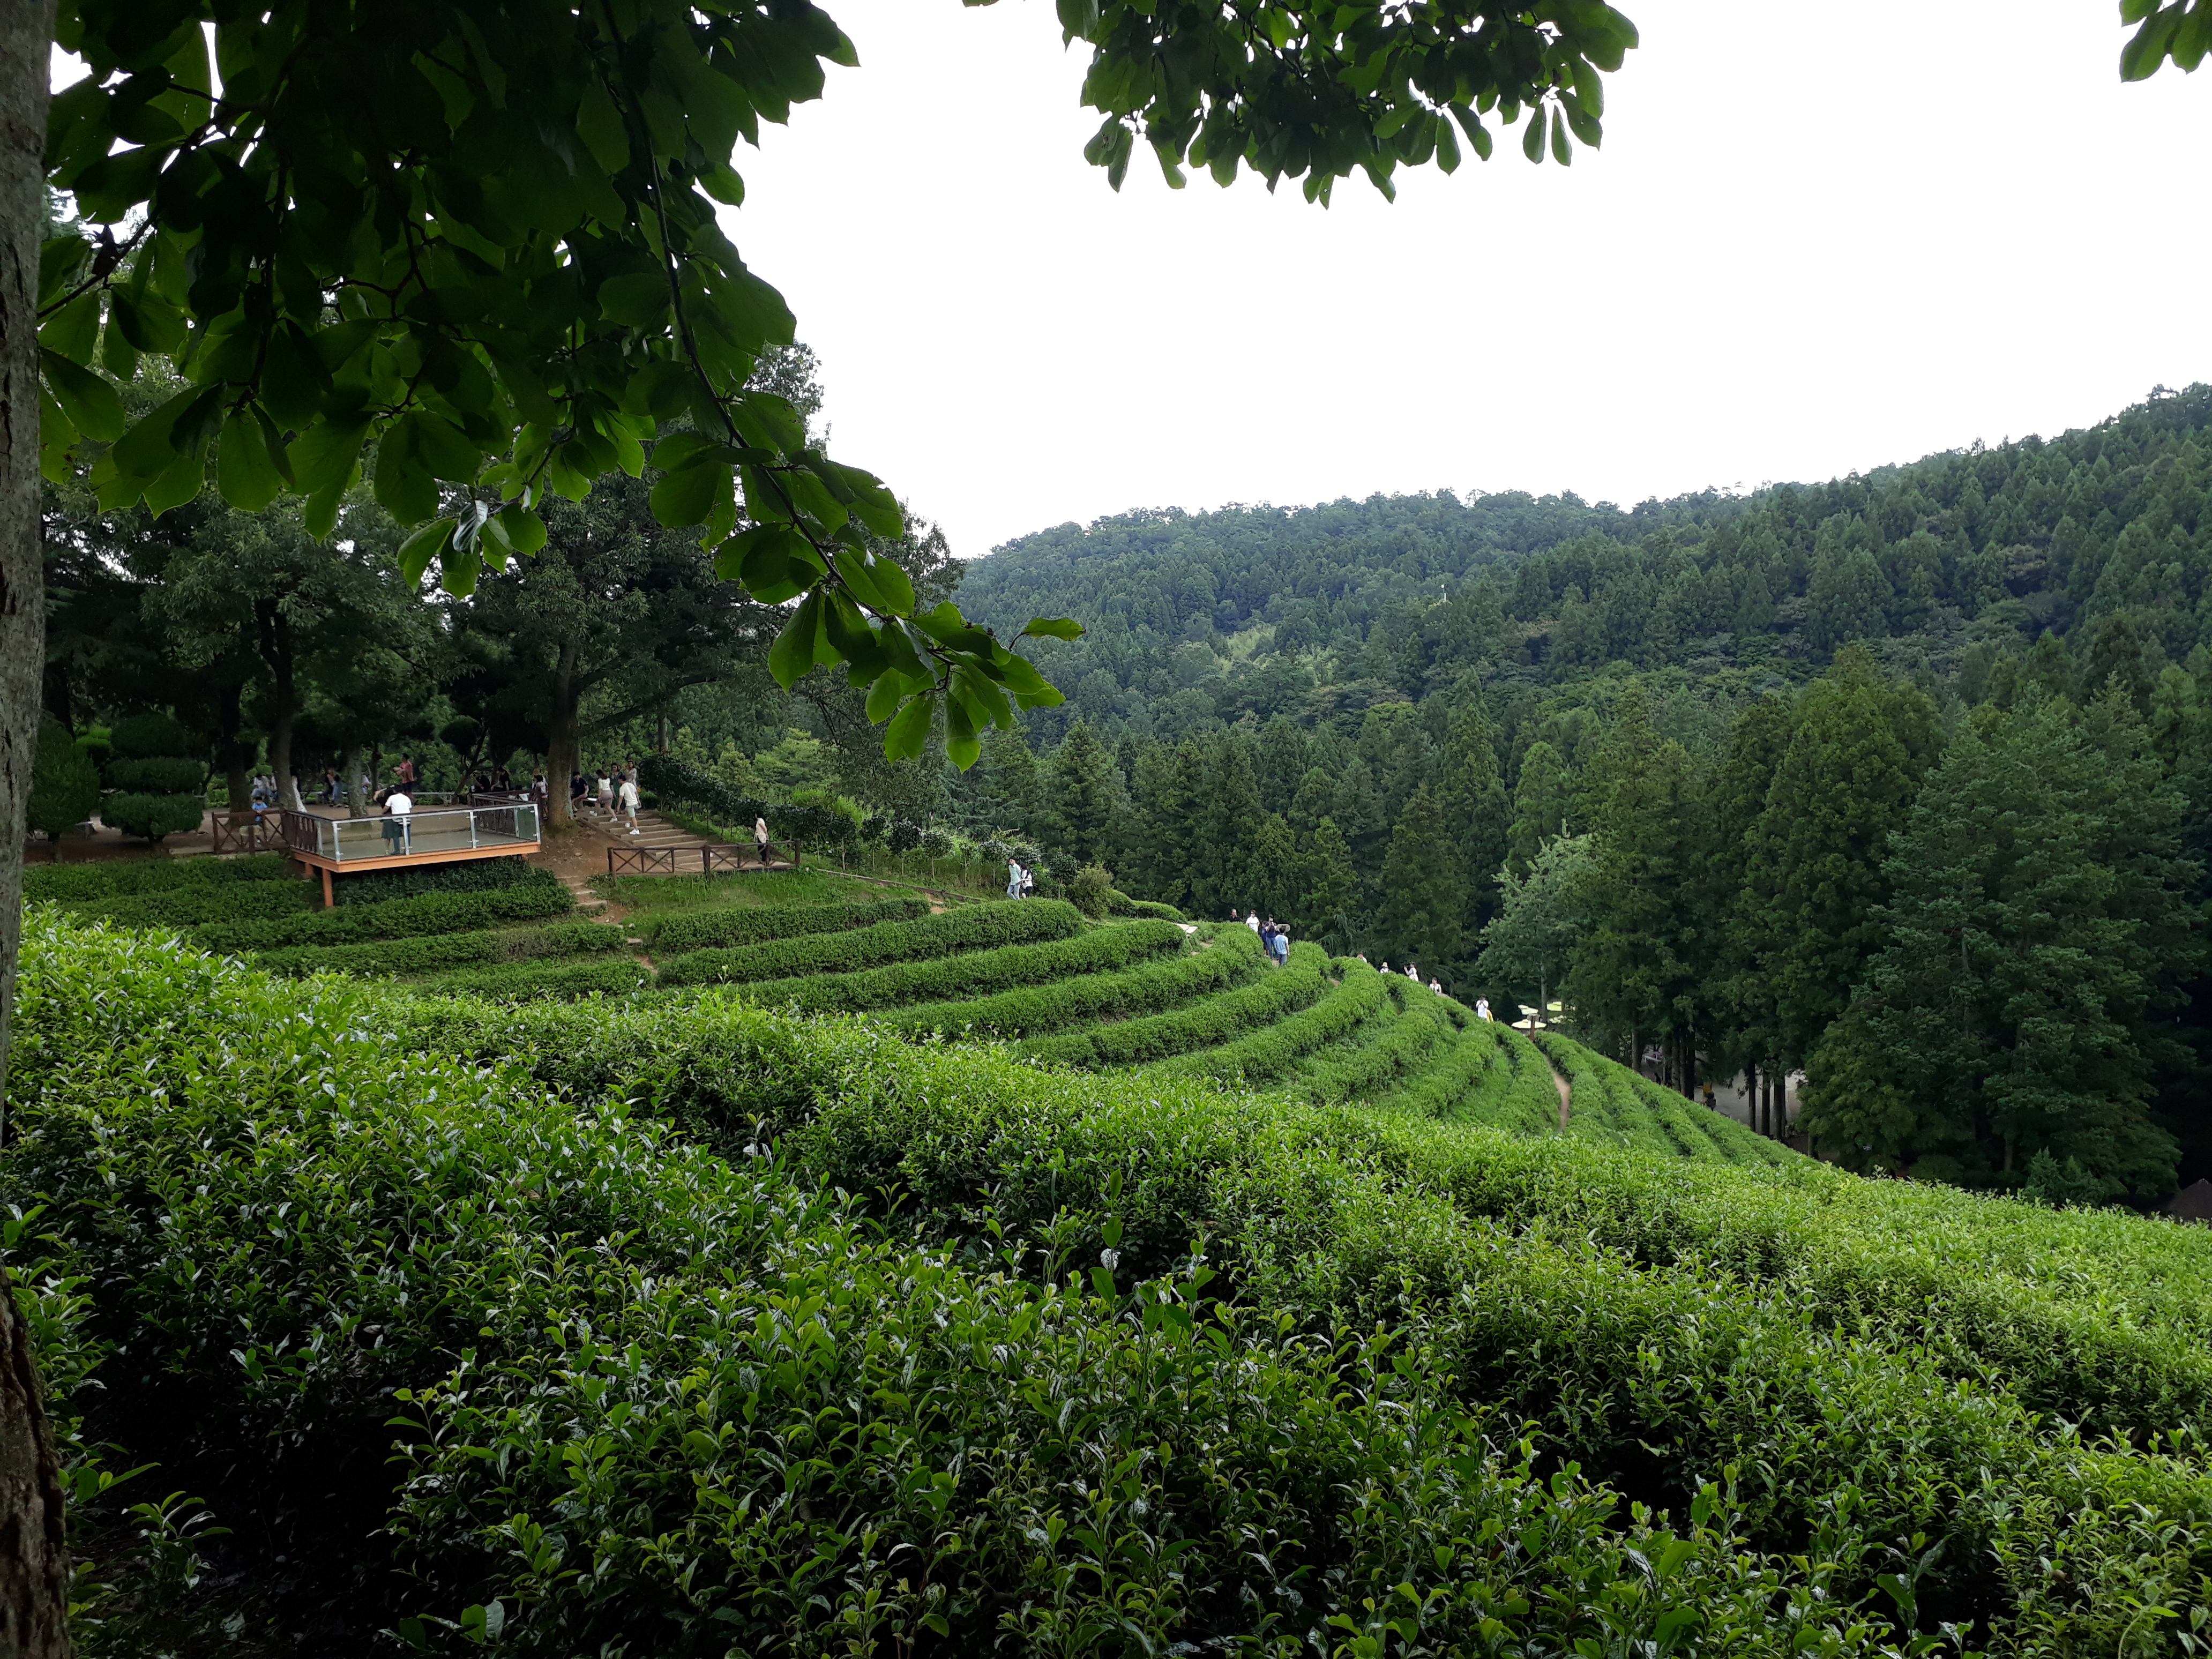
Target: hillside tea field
1137 992
1211 1307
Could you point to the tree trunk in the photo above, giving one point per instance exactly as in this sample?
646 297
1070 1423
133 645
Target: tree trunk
236 757
34 1558
276 631
563 741
356 806
1750 1095
33 1545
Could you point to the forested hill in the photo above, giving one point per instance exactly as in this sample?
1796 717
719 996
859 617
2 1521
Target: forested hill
1946 566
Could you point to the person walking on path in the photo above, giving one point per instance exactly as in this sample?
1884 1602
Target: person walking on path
1252 921
606 796
760 837
1282 945
630 802
1029 881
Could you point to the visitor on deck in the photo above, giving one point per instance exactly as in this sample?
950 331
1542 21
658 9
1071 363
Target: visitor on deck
398 804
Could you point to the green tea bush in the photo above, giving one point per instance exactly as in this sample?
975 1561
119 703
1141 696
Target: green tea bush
463 876
204 902
696 930
1210 1021
970 928
111 878
1095 995
1467 1063
1147 908
1599 1110
1403 1048
1517 1094
512 980
435 951
403 918
301 1227
1270 1052
970 973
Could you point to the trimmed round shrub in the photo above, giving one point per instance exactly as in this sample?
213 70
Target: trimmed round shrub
157 774
152 816
141 737
64 783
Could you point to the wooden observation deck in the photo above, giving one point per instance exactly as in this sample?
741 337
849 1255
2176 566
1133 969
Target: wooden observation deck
488 828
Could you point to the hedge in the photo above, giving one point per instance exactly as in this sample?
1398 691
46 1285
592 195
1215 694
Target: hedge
1471 1060
1358 997
158 775
1146 908
970 928
153 816
1749 1372
510 980
205 902
695 930
1211 1021
1098 951
435 951
1518 1093
1093 995
405 917
1403 1048
1597 1110
112 878
675 780
464 875
606 1347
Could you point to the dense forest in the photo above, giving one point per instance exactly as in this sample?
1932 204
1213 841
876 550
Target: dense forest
1899 780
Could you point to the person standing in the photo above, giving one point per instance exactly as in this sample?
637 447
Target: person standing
630 800
606 795
406 770
1282 945
1252 921
1029 881
397 805
760 838
1013 878
1482 1007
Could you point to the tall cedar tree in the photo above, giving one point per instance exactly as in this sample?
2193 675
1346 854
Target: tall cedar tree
1736 799
1424 892
1327 888
1858 750
1227 873
1083 790
2041 909
1476 807
1541 804
1280 763
1635 972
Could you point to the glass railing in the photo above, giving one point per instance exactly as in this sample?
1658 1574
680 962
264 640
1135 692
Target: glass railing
364 841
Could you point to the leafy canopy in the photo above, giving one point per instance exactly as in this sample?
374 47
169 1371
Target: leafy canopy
477 240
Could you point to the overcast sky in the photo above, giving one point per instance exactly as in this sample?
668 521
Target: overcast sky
1818 238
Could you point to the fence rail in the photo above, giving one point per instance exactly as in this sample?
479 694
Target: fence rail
731 856
504 828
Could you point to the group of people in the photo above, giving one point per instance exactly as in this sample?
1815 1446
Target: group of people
1274 937
1481 1003
1020 881
615 800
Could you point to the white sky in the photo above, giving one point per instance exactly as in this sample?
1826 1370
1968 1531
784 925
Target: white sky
1818 238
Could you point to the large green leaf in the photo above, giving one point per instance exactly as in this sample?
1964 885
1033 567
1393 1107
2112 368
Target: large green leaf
94 406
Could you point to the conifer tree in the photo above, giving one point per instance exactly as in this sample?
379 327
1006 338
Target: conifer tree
1327 888
1275 869
1423 894
1316 793
1476 808
1735 801
1012 795
1806 924
1158 837
2040 909
1635 968
1358 813
1280 761
1227 850
1541 804
1085 796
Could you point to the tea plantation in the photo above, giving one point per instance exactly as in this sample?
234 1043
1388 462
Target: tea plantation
702 1284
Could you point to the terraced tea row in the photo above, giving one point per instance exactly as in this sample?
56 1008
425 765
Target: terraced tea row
1165 997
